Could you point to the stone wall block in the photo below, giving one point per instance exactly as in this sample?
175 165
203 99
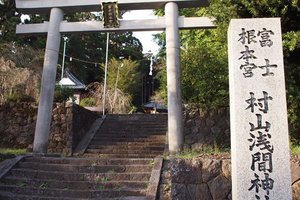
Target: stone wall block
179 192
296 190
64 127
222 123
199 192
164 192
196 166
190 139
226 168
199 123
198 146
186 131
190 123
69 111
63 118
29 120
295 169
216 130
194 130
55 111
219 187
64 110
3 126
213 127
209 122
213 113
205 132
229 197
211 168
56 118
184 172
227 133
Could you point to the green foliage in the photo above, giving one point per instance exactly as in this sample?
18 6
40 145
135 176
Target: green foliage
124 75
62 94
204 52
205 79
12 151
295 149
88 102
116 101
9 18
21 184
190 154
18 94
20 71
162 92
44 185
81 47
19 97
93 47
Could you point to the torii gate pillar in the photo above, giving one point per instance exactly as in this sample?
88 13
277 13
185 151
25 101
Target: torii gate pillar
175 122
41 136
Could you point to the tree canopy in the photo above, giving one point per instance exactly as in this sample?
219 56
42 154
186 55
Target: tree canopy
85 53
204 52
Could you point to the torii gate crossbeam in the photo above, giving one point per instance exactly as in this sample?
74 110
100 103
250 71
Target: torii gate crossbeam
171 23
69 6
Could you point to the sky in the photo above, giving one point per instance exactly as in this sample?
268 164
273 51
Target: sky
145 37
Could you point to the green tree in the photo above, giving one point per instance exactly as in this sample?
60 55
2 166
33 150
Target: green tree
85 47
9 18
125 76
92 48
204 54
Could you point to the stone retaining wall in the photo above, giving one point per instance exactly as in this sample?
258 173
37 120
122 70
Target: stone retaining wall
206 129
17 124
207 178
69 124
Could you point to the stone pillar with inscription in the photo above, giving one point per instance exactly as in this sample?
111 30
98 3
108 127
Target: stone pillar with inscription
259 127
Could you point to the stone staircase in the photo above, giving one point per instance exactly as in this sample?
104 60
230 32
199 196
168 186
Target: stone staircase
118 163
130 136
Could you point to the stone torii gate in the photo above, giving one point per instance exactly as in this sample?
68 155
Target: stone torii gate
171 24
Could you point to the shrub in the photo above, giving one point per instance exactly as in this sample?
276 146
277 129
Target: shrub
62 94
88 102
19 97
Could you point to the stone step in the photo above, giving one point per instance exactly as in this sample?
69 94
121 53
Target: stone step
14 196
100 193
149 140
129 147
135 133
134 117
141 124
92 168
69 176
74 185
140 117
131 125
123 151
129 139
121 155
113 143
126 135
88 161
